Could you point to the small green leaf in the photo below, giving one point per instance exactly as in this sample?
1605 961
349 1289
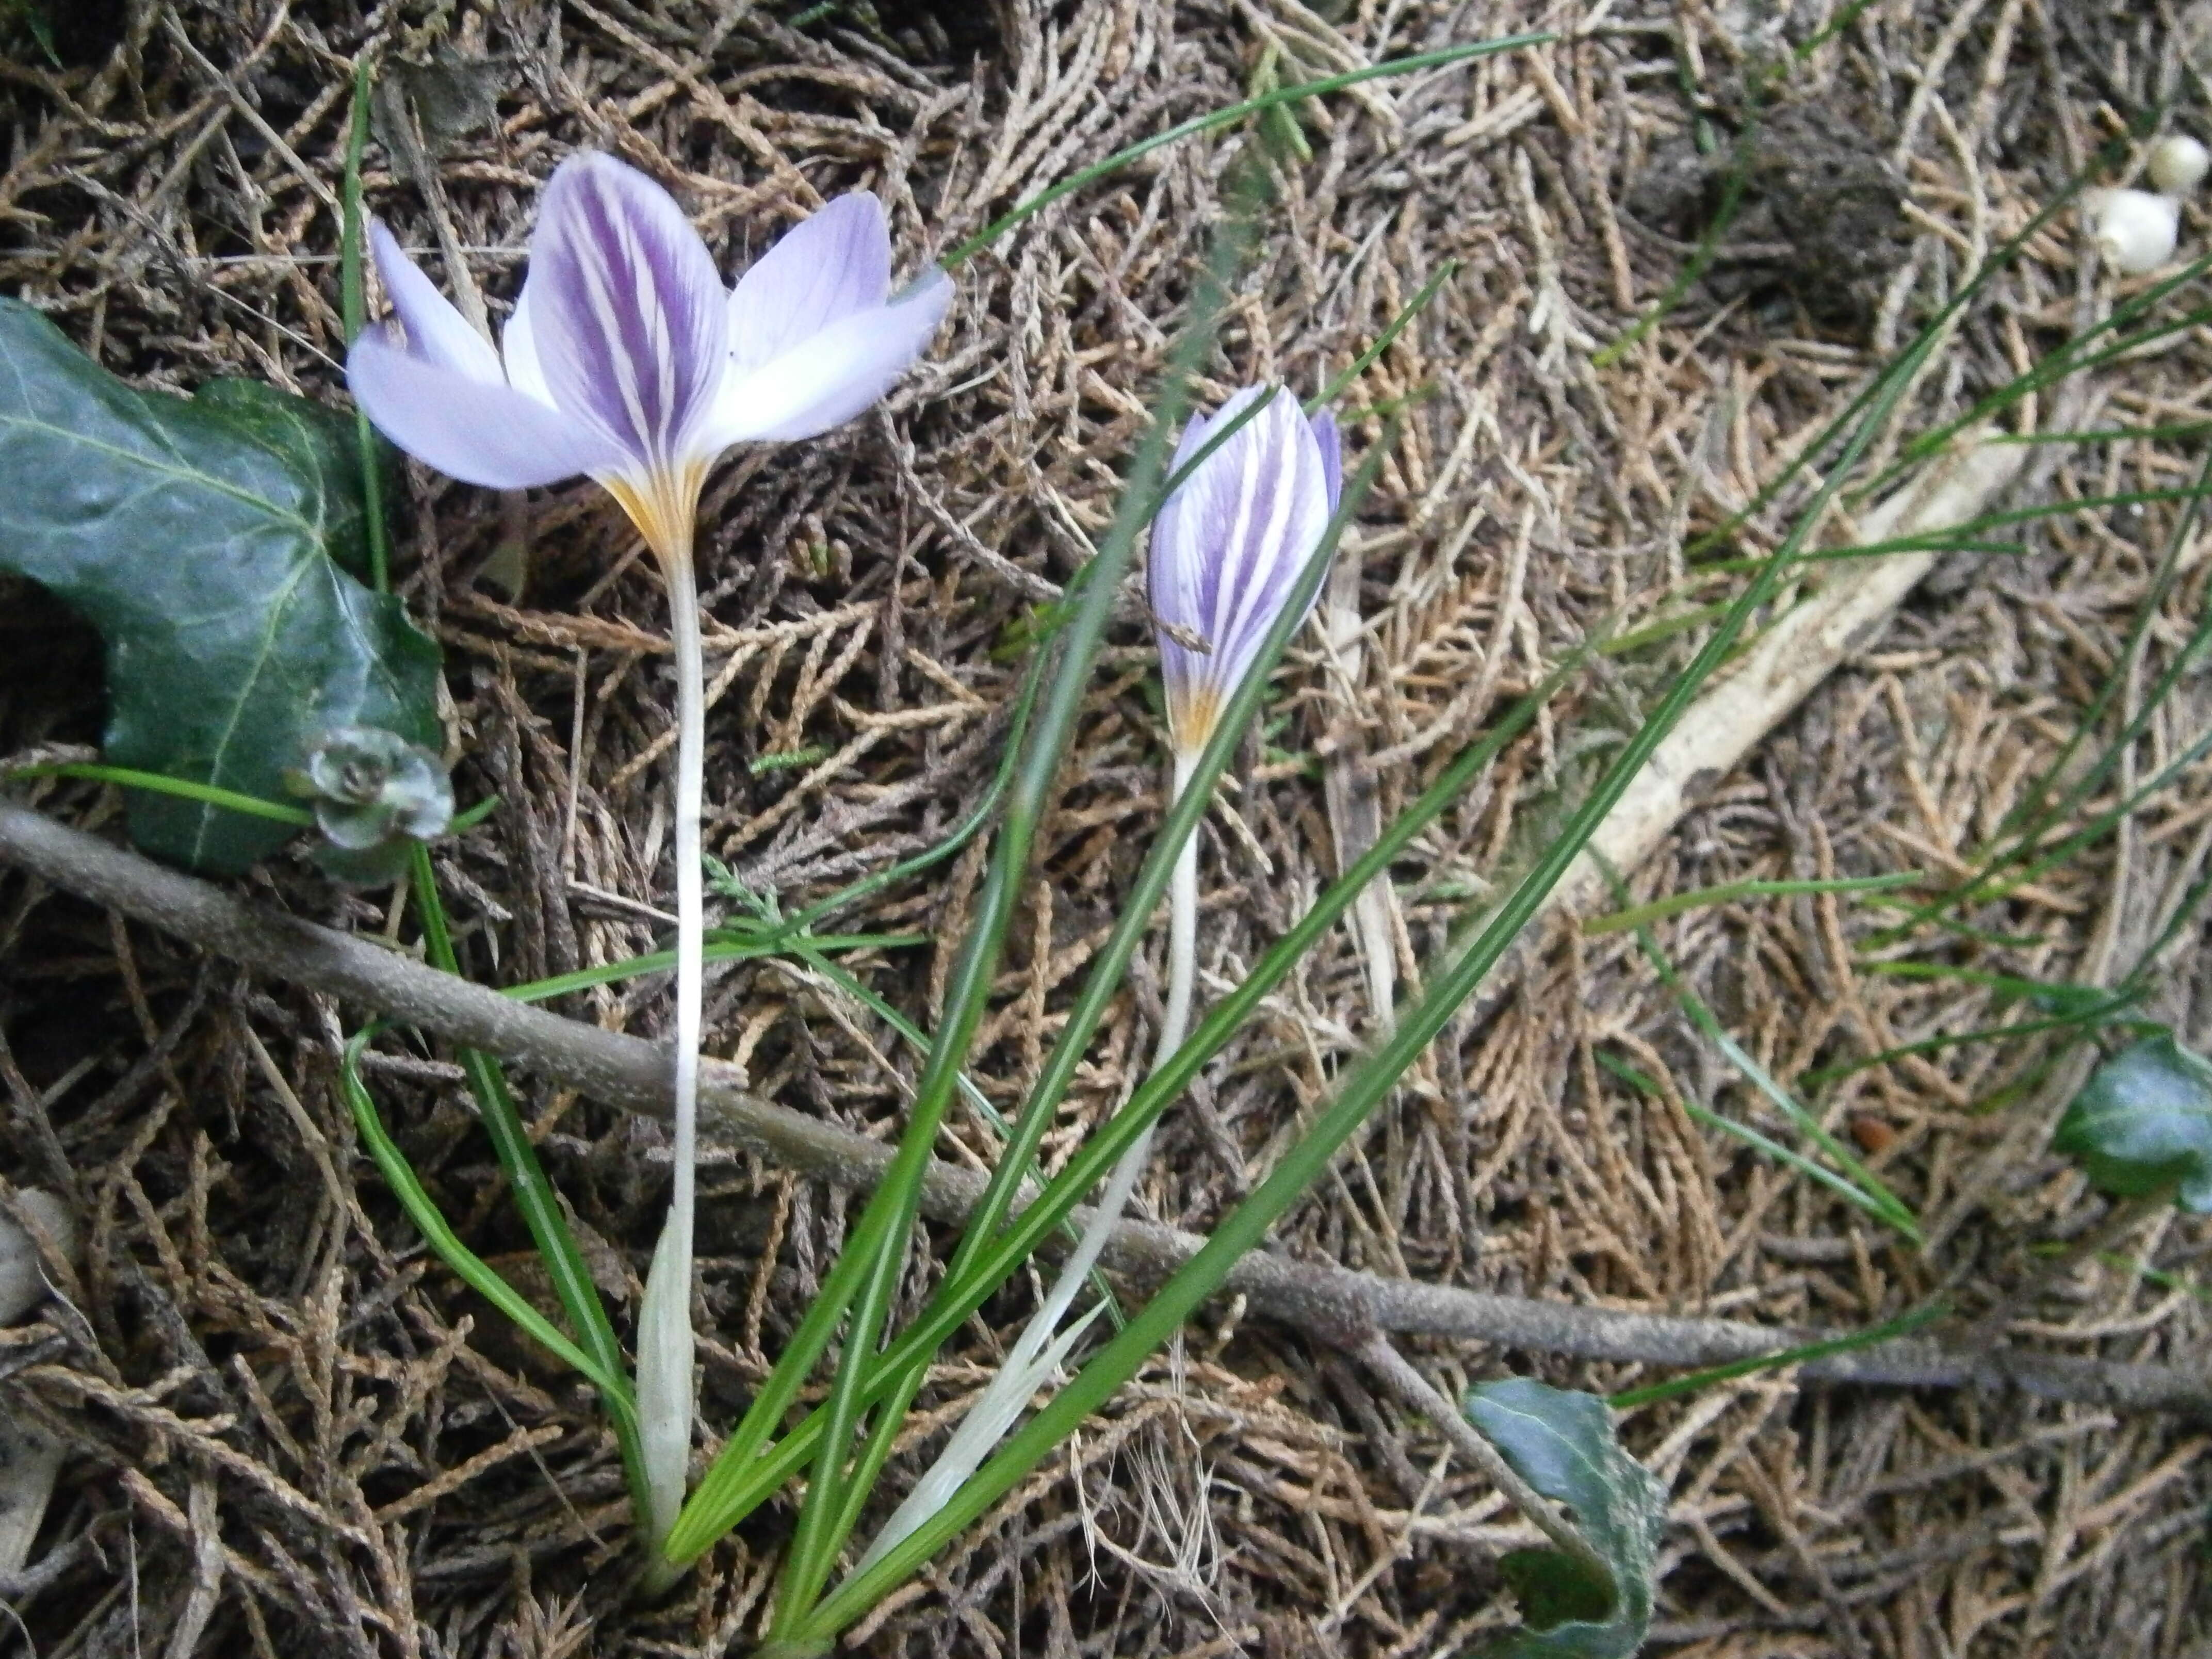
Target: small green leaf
204 538
2143 1121
1563 1444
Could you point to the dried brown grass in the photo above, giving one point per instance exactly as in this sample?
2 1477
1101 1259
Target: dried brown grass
290 1429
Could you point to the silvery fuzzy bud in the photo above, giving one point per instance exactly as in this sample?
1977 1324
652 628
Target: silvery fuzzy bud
2134 230
373 793
2178 164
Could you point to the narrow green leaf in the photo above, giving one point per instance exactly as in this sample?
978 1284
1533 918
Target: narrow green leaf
130 777
1730 892
533 1193
2143 1121
353 296
1904 1325
1563 1444
1230 116
430 1221
1849 1176
204 538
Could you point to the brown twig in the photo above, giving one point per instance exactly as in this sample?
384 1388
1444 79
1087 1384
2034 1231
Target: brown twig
629 1072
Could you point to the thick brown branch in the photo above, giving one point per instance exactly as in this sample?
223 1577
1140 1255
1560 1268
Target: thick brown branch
628 1071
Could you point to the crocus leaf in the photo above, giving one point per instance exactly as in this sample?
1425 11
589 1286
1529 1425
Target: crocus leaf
2143 1121
1563 1444
204 538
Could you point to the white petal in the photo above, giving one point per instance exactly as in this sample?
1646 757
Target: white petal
518 344
480 433
832 376
436 333
832 266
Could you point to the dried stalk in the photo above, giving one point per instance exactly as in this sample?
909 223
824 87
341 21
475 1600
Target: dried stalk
628 1071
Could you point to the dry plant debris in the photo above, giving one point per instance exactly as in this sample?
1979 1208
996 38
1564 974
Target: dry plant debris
286 1426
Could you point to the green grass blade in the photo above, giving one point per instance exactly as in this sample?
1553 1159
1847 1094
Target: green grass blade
1729 892
1016 728
772 942
978 1102
1230 117
1854 1178
1873 1336
2084 1019
1881 391
534 1197
159 783
1382 343
422 1210
354 297
2059 996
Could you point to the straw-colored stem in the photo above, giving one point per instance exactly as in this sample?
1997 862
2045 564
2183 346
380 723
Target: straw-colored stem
666 1341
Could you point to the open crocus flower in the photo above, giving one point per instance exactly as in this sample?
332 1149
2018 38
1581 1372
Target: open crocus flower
627 360
1227 549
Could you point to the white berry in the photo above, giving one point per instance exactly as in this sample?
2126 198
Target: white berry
2178 163
2134 230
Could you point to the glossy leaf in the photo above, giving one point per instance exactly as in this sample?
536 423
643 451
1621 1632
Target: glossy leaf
208 539
1563 1444
2143 1121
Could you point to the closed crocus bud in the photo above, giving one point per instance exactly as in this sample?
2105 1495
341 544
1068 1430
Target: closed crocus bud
2134 230
1228 548
2178 164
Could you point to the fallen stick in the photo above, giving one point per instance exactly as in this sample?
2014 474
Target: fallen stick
628 1071
1747 700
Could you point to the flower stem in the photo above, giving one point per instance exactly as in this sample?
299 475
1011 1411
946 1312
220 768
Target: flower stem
665 1345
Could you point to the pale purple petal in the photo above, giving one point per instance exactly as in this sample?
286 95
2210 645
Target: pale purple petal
627 311
830 377
479 432
1229 546
1173 571
833 265
436 333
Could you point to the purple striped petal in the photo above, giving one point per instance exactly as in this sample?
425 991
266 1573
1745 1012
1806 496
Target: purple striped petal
626 310
829 376
436 333
1228 546
833 265
480 431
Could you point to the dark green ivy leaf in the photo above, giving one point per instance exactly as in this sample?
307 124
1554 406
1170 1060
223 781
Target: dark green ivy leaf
2144 1121
1563 1444
204 538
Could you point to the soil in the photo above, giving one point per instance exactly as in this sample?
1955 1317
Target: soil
288 1430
